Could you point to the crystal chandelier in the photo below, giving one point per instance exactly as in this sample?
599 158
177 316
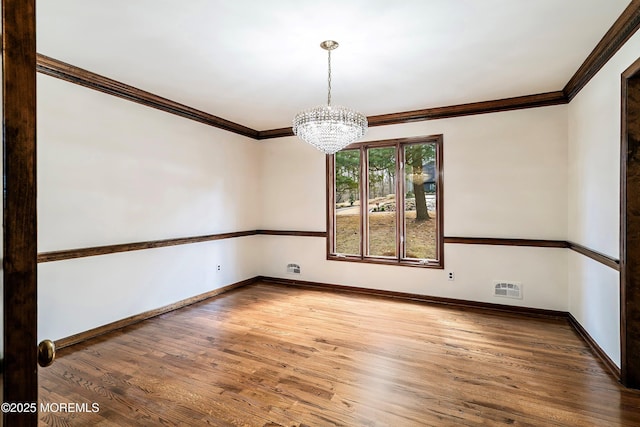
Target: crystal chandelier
329 128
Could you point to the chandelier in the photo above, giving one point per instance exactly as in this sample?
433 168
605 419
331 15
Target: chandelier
329 128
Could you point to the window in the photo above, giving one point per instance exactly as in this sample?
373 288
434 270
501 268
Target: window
385 202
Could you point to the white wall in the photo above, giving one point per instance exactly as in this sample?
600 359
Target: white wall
594 201
112 171
504 176
594 300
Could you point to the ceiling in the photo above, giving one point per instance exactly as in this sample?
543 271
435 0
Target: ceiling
258 63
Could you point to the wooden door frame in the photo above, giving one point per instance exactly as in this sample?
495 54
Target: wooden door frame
629 285
20 369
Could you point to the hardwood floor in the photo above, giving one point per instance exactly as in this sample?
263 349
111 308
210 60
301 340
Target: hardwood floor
269 355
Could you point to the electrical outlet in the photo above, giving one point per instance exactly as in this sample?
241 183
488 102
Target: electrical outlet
219 267
451 276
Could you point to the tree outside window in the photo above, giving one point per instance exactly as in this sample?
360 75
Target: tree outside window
374 215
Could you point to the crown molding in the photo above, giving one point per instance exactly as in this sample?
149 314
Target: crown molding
505 104
483 107
275 133
61 70
621 30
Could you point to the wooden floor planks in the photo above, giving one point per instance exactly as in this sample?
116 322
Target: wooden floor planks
270 355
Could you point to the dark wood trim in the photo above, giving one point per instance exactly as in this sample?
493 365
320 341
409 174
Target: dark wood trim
330 197
61 70
507 242
137 246
292 233
629 223
483 107
401 226
364 201
597 256
20 300
113 326
399 259
473 108
597 350
594 255
624 27
528 311
625 150
385 261
127 247
396 141
440 200
275 133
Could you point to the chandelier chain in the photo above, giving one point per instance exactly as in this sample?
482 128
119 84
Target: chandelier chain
329 80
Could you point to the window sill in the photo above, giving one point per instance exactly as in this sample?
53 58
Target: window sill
387 261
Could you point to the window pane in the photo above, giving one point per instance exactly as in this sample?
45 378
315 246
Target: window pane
382 201
347 197
420 201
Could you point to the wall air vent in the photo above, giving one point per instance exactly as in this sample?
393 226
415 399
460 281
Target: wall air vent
293 268
506 289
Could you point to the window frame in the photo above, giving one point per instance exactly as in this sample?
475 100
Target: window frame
398 259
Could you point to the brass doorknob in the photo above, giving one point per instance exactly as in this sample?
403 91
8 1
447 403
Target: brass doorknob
46 353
